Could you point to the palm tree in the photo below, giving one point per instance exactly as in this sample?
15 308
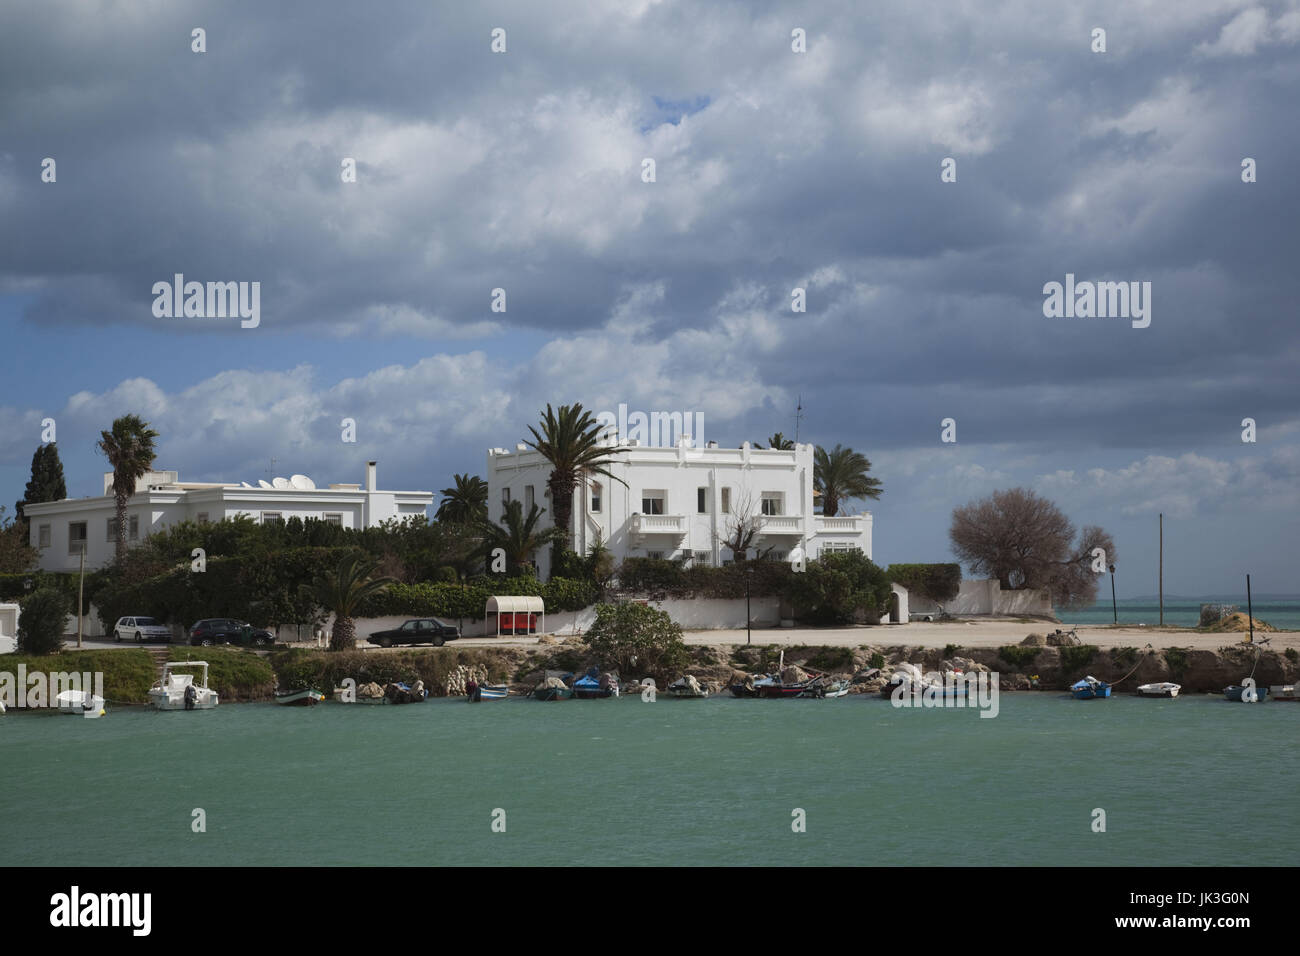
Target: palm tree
466 503
342 590
570 440
129 449
842 474
518 536
777 442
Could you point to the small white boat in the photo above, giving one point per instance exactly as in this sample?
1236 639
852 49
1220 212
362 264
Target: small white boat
1284 691
1161 689
180 692
80 702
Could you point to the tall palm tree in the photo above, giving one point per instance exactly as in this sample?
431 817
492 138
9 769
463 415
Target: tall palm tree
777 442
842 474
342 590
129 449
570 440
518 535
466 503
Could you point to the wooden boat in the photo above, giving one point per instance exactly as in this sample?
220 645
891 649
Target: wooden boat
1161 689
827 690
180 691
1237 693
555 685
592 686
1089 688
307 697
1284 692
488 692
687 688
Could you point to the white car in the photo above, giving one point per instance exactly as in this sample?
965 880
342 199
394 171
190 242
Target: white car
141 629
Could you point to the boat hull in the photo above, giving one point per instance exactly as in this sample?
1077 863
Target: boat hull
1235 693
300 698
553 693
1159 690
1283 692
490 692
1086 690
79 702
171 700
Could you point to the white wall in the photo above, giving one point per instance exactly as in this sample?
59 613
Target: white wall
985 596
9 614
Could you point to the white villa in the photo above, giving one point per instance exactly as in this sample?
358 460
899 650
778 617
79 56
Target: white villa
61 529
685 502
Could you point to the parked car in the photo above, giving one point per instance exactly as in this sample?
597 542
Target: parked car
227 630
141 629
423 630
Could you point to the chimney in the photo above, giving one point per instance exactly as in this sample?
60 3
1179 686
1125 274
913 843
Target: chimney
372 468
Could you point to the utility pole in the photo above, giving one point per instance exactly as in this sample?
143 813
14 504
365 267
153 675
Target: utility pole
1114 612
81 591
1162 569
798 417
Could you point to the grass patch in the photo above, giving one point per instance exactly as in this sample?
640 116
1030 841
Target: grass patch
877 661
950 649
1292 654
1176 658
1124 656
298 668
833 659
1018 657
1076 658
128 674
234 673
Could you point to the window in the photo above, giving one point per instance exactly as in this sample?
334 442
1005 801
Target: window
76 537
652 502
701 558
655 555
726 501
43 536
505 496
272 517
702 500
595 497
528 498
203 517
334 518
132 528
831 547
772 501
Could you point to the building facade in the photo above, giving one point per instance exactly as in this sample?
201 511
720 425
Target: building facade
685 503
60 530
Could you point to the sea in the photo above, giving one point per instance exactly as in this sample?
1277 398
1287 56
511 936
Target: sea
1193 781
1281 612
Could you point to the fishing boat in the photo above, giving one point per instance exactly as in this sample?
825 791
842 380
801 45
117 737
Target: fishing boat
554 686
826 690
479 692
400 692
687 688
1161 689
79 702
307 697
180 692
1238 693
1284 691
1089 688
592 686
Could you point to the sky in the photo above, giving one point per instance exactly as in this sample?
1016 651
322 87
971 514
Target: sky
774 170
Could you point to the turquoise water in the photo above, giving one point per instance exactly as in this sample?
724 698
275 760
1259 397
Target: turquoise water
1194 781
1284 614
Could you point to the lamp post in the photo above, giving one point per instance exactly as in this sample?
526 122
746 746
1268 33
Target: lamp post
1114 613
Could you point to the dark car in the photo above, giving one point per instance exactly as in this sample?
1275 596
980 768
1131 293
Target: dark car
226 630
423 630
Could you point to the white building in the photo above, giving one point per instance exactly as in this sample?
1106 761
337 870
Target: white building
60 529
685 502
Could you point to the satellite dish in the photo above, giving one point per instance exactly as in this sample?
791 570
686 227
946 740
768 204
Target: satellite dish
302 483
280 483
263 483
244 484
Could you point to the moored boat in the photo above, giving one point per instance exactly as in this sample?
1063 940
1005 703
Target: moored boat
1284 691
180 691
687 688
476 692
554 686
78 702
1249 694
307 697
1160 689
594 686
826 690
1089 688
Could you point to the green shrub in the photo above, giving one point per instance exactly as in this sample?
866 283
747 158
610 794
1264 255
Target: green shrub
128 673
833 588
938 583
1124 656
1176 658
1077 658
877 660
950 649
41 620
1019 657
833 659
636 640
1292 654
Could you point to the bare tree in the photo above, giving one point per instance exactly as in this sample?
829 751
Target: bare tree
742 527
1026 541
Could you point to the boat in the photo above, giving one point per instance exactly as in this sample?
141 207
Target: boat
180 692
478 692
400 692
1283 692
687 688
1089 688
1237 693
592 686
79 702
827 689
307 697
1161 689
554 686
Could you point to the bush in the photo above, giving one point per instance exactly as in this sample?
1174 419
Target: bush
636 640
1019 657
1077 658
128 673
43 615
1124 656
1176 658
938 583
877 660
836 586
1292 654
299 668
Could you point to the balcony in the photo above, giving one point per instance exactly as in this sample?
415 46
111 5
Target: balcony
851 524
659 524
780 524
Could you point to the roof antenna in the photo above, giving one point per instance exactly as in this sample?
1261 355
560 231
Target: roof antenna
798 417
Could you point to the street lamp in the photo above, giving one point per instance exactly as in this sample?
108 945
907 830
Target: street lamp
1114 613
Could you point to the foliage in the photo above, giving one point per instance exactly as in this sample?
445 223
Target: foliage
840 474
46 483
129 448
234 673
777 442
1024 541
1124 656
1176 658
519 536
41 620
834 587
877 660
16 553
465 502
938 583
298 669
1076 658
128 673
342 591
950 649
1292 654
636 640
1019 657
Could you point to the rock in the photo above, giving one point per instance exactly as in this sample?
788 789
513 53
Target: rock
1034 640
547 639
871 673
371 691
